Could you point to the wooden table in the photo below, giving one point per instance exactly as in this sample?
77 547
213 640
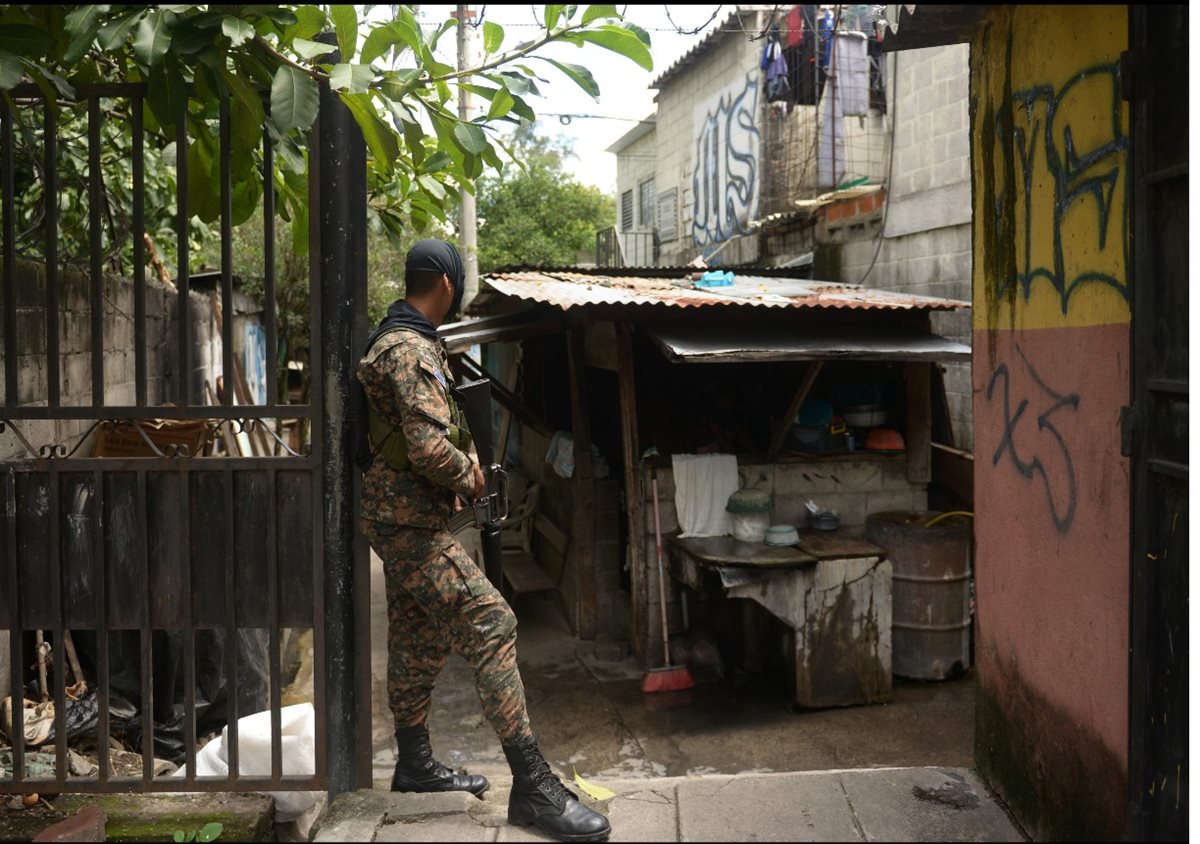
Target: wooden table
833 590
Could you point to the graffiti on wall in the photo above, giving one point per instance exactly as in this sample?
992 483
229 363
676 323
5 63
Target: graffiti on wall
1063 157
1054 466
725 175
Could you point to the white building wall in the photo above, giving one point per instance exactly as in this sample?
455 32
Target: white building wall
636 164
726 71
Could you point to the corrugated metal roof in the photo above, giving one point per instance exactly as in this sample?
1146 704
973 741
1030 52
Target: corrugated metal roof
932 25
566 289
740 341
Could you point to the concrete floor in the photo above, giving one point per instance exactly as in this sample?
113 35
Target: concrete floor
592 716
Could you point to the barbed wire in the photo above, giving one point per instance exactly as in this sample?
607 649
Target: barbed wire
681 30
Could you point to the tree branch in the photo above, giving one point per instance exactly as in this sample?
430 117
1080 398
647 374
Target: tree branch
509 56
315 73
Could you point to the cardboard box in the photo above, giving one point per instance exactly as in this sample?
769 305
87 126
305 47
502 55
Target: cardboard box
114 440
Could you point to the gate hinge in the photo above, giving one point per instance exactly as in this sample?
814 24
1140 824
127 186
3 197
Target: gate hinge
1125 68
1128 428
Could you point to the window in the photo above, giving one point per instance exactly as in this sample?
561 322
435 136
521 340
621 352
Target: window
668 215
646 209
627 210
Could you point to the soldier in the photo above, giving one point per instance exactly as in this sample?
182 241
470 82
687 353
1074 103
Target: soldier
438 600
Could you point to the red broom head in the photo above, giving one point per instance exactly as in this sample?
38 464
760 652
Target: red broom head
670 678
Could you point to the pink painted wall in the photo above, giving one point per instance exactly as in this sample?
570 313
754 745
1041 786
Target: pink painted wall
1049 148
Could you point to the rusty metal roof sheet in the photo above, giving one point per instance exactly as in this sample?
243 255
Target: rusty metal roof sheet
566 289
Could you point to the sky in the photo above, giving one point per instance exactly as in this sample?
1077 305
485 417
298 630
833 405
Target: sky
625 96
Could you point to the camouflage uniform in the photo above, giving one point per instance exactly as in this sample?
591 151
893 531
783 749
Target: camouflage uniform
438 599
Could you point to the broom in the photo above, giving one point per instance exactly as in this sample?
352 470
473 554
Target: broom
669 678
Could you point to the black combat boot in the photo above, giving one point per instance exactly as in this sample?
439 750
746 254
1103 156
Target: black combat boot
418 771
538 797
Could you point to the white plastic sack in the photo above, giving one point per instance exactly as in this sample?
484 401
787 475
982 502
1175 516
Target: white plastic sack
297 743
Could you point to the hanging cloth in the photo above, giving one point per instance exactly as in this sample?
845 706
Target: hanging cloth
851 66
831 138
794 25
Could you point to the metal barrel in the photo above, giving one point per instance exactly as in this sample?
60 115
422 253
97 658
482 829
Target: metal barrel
931 573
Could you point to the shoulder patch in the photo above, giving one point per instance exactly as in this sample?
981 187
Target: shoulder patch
434 373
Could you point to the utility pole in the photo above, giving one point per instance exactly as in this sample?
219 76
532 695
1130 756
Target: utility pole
466 218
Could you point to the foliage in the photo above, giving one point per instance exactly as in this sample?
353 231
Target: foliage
538 215
208 832
264 64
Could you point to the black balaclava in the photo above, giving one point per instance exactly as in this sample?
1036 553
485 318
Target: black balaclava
427 254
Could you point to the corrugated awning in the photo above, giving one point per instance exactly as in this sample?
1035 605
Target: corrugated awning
460 336
741 343
569 288
932 25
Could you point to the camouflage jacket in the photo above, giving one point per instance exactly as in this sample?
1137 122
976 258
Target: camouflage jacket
406 378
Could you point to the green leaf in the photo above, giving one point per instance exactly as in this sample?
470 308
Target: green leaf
63 87
295 98
179 836
82 24
553 13
438 161
311 49
446 26
21 40
345 21
396 87
355 78
516 84
620 41
383 38
471 138
166 94
114 33
153 37
209 832
238 30
642 34
579 74
278 14
11 71
598 11
309 21
502 104
523 110
493 37
245 95
380 139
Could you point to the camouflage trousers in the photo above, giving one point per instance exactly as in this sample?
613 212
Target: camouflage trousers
438 602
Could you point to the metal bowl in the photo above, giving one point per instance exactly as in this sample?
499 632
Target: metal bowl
781 535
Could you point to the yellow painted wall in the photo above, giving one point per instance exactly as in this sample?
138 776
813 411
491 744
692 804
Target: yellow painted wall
1050 151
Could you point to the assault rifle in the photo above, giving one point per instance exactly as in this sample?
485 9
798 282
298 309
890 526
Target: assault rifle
491 509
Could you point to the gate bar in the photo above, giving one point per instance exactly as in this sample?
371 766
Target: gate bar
182 277
139 251
227 309
342 207
100 556
50 202
10 259
269 268
16 624
95 245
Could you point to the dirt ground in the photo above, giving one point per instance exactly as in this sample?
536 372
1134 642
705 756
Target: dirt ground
592 715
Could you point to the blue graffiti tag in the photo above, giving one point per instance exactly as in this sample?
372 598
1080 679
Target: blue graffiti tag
1035 466
1091 174
724 180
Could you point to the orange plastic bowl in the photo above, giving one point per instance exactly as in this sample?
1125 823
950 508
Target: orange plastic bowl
884 439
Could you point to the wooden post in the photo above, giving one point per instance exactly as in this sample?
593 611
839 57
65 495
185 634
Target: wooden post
918 436
506 415
810 377
584 529
634 502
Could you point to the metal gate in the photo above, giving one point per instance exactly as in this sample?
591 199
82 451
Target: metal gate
1158 680
148 574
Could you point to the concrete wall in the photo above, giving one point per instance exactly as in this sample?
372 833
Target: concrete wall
926 246
75 349
723 82
636 164
1050 146
854 488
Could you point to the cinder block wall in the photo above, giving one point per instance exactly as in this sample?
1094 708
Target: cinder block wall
725 64
75 349
854 488
926 247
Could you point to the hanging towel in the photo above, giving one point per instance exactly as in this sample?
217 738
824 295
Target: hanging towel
703 484
851 65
